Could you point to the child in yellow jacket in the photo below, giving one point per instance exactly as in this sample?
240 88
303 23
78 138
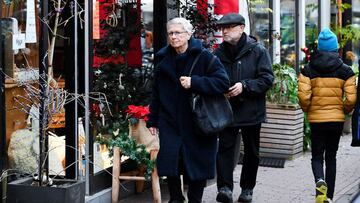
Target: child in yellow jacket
326 91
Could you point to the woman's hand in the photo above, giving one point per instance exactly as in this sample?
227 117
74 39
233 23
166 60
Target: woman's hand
185 82
153 131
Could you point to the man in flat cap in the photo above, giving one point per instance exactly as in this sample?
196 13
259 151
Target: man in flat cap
249 68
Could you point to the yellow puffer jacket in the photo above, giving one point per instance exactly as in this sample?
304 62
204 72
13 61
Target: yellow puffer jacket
327 88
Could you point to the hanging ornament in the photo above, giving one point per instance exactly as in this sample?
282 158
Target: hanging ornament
97 72
121 87
102 119
111 19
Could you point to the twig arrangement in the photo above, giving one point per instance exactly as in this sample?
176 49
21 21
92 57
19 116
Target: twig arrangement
53 103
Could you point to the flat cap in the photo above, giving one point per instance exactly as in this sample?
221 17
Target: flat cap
231 18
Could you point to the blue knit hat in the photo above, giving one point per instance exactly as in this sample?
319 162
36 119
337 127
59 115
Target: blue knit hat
327 41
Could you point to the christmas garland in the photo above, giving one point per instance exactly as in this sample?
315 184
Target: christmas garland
129 148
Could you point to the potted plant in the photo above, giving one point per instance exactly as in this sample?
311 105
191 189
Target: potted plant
282 133
136 145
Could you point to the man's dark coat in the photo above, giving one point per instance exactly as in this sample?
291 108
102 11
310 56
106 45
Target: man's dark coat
252 67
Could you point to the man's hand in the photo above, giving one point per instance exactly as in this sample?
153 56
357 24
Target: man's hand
235 90
185 82
153 131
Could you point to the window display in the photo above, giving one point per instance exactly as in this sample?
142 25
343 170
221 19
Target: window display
287 32
311 24
21 30
20 24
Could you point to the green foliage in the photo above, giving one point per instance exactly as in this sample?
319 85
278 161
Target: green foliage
355 68
122 89
253 6
349 33
344 6
129 148
116 41
307 134
284 89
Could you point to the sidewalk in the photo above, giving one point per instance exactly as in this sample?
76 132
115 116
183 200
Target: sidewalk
293 183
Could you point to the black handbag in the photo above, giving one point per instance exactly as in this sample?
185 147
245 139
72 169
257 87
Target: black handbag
212 113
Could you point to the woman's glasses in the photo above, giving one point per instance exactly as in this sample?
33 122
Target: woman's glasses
176 34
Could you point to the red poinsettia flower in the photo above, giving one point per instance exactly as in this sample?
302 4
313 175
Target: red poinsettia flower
139 112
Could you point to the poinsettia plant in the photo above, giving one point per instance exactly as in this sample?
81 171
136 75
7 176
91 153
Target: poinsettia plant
134 113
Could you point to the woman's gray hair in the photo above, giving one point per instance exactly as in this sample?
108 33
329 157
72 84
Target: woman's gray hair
182 21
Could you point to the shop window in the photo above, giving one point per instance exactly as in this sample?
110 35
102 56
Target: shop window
260 22
356 22
311 23
287 32
19 23
123 67
21 34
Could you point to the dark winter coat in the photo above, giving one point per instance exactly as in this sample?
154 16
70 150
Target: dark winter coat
355 120
170 110
252 67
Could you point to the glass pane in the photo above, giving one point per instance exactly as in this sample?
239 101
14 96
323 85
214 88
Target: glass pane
311 24
356 22
287 32
122 69
20 24
21 31
260 22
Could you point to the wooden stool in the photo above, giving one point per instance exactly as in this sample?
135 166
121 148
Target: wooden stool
116 177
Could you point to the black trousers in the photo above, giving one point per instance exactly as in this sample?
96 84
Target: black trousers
195 187
325 139
225 156
194 193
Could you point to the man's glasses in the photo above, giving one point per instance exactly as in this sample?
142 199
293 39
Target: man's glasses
223 27
176 34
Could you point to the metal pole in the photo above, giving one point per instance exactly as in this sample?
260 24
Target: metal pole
2 115
87 114
76 89
276 46
43 67
297 41
2 100
160 19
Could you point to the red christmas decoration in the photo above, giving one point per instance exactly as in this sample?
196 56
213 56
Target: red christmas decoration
139 112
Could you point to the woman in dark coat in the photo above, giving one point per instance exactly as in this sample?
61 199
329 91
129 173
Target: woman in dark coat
182 151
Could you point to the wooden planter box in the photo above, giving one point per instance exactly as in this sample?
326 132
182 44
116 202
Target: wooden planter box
281 136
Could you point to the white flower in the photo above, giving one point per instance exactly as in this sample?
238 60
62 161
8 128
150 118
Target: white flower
116 133
97 72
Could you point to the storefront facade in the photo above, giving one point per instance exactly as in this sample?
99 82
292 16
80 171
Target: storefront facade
290 26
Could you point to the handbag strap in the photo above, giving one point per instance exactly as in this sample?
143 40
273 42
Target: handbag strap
194 63
197 59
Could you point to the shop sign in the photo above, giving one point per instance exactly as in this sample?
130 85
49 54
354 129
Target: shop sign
128 1
96 19
18 41
30 32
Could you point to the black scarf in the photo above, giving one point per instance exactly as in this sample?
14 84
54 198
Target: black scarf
232 51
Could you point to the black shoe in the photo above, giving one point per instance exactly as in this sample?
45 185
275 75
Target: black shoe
246 195
224 195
